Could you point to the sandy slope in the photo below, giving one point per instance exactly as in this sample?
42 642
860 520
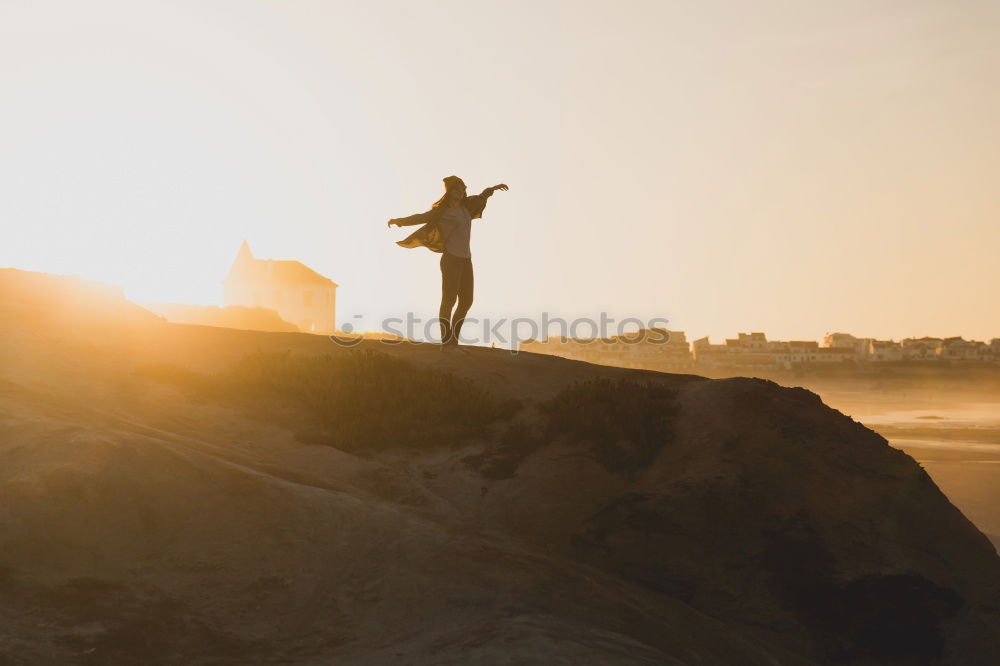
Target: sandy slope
139 526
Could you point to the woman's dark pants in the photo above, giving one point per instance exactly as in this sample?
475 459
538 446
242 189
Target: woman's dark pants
456 284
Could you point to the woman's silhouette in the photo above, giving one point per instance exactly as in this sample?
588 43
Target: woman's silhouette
447 228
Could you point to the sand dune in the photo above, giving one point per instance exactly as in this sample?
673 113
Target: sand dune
143 523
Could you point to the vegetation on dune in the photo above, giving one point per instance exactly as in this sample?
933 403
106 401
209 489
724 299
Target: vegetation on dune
359 401
366 402
623 424
502 459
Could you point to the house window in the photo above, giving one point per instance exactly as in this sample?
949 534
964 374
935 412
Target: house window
307 299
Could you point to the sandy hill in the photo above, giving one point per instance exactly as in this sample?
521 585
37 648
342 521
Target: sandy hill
183 494
231 316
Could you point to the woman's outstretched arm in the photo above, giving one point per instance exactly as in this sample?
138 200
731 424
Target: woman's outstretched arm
488 192
419 218
476 203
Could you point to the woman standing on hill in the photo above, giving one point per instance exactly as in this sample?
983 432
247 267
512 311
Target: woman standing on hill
447 228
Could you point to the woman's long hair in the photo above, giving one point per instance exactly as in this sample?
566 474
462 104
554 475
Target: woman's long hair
450 183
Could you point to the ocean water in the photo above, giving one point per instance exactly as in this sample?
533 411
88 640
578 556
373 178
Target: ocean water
957 442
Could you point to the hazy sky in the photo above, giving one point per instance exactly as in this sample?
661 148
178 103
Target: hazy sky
793 167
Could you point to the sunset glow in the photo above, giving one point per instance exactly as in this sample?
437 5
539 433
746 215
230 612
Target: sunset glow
789 167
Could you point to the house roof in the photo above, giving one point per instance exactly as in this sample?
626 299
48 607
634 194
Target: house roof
246 268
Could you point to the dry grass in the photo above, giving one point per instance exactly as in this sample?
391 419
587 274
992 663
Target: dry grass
359 401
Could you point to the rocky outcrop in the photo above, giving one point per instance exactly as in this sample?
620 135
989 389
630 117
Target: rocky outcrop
163 502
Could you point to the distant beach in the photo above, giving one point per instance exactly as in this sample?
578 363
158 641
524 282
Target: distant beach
956 439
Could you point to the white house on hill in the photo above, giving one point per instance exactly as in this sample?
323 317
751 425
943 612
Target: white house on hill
300 295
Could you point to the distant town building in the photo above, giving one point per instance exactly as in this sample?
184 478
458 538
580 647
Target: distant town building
885 350
861 346
959 349
794 353
748 352
653 348
920 349
300 295
836 355
840 340
750 342
706 354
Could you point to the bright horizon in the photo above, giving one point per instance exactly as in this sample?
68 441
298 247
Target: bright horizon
782 168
